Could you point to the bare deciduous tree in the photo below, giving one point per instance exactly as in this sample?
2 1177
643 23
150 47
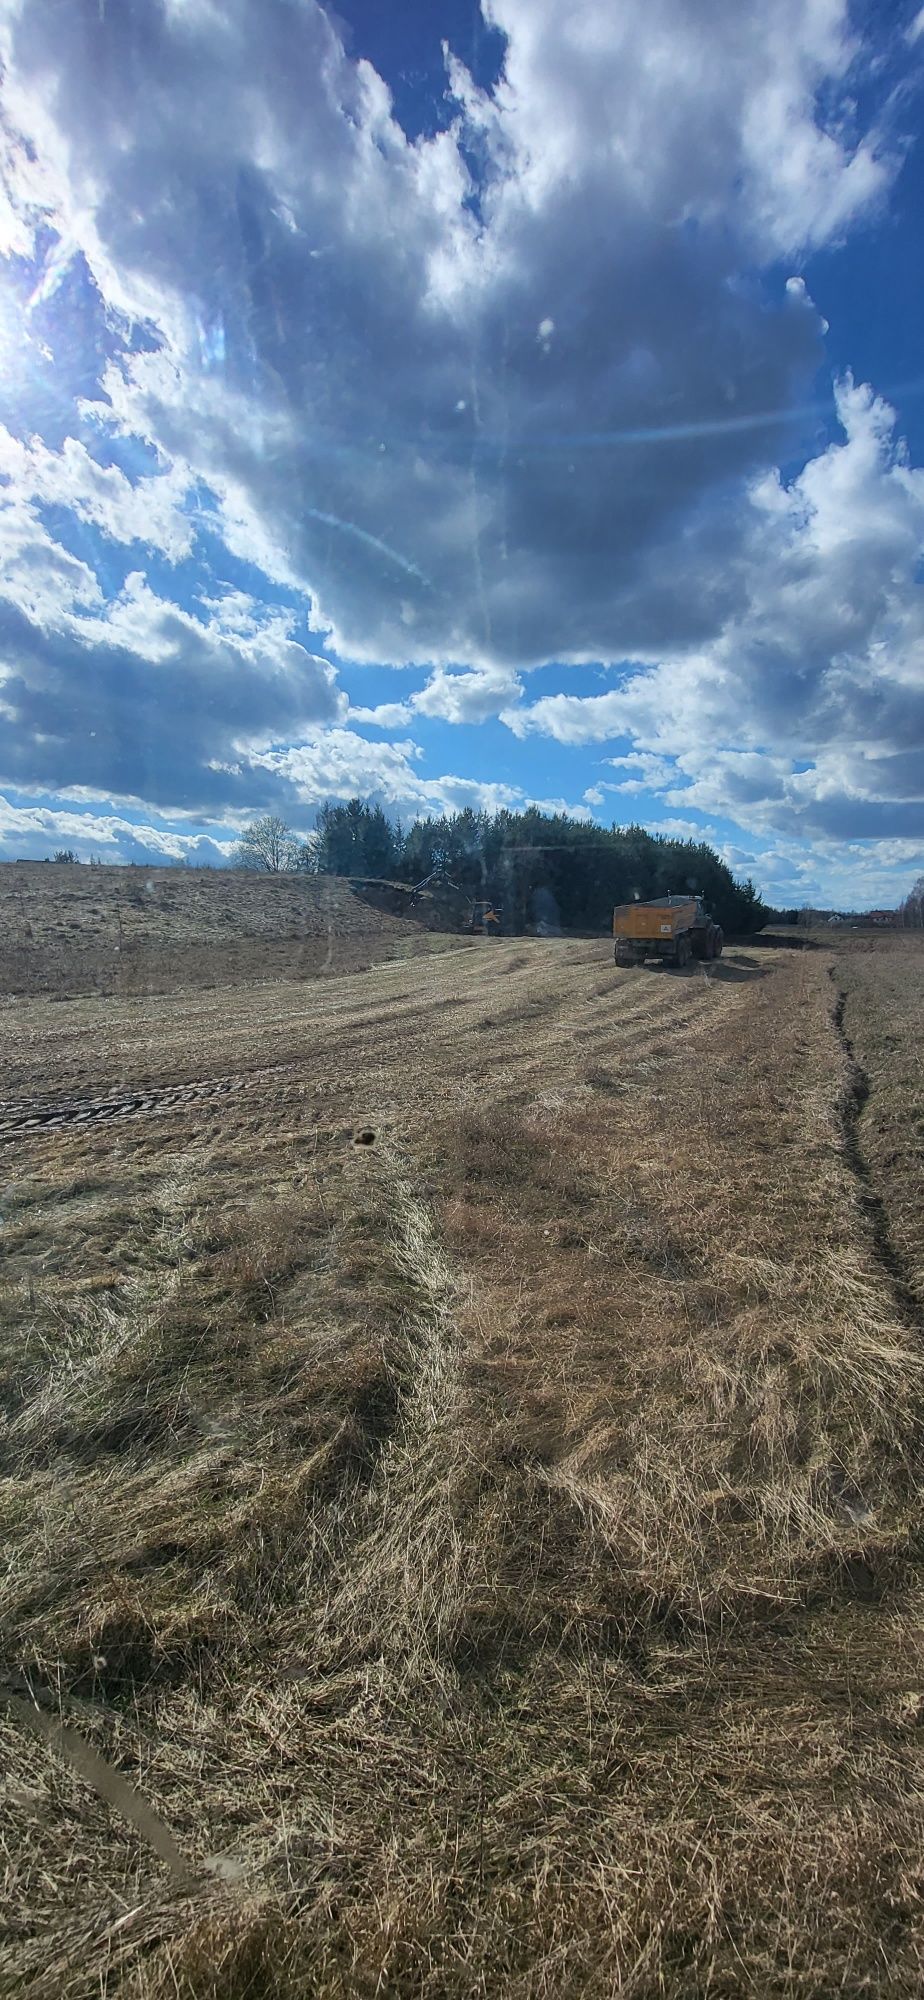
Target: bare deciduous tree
912 909
269 845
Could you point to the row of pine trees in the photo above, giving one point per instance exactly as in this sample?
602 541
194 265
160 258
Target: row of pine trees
541 867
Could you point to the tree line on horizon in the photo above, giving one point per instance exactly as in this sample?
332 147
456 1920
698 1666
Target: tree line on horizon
539 867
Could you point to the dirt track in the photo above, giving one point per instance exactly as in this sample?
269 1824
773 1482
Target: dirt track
510 1020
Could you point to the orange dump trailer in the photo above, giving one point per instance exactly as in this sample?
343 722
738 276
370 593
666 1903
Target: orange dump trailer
675 928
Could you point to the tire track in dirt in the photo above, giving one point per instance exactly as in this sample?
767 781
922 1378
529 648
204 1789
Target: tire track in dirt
35 1117
515 1024
855 1097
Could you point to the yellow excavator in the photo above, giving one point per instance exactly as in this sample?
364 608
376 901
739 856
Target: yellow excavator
484 920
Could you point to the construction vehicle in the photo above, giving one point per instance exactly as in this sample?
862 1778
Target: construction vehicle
674 928
485 919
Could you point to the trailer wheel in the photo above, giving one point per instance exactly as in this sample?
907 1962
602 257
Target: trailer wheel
719 941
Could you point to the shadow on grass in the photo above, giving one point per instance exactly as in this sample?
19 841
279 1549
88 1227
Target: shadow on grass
732 971
729 971
790 940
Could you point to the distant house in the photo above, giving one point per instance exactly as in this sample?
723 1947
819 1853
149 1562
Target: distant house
880 917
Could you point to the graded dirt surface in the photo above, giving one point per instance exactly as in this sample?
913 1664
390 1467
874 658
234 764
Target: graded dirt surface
461 1481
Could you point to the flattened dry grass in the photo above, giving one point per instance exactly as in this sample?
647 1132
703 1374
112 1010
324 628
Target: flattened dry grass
736 1392
494 1559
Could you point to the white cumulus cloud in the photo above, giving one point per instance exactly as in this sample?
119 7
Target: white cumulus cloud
807 709
508 395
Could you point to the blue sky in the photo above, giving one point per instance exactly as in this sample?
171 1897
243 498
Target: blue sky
465 405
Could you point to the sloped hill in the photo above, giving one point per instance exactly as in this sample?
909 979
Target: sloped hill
69 929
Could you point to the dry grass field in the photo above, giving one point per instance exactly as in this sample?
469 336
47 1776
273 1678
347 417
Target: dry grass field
461 1453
